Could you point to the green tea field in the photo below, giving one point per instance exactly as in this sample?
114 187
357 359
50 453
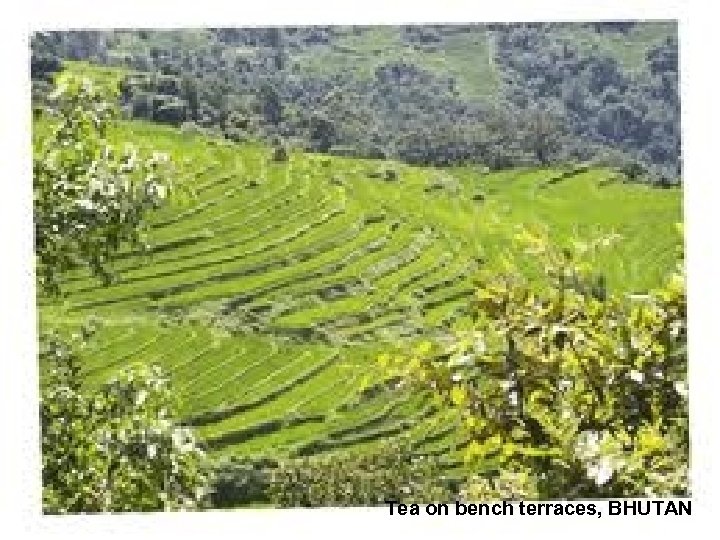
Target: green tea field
268 289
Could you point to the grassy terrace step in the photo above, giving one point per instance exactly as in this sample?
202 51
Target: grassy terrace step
236 196
369 240
239 249
400 420
256 430
255 238
271 395
143 341
374 419
208 236
231 368
275 400
359 267
285 441
378 303
233 385
385 326
432 260
156 288
351 295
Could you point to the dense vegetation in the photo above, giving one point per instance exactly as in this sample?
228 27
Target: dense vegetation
89 198
280 289
115 448
572 390
501 95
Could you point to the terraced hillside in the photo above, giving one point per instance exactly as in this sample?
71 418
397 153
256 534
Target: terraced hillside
269 293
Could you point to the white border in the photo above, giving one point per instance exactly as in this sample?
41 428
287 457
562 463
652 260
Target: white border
19 457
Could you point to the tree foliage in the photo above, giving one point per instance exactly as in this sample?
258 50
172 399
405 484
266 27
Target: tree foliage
116 448
556 99
89 198
566 390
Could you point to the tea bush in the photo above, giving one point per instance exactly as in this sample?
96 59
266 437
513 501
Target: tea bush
566 390
389 471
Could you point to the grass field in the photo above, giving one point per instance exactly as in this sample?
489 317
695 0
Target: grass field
466 57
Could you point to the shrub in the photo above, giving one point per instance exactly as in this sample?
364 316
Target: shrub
190 127
442 182
389 472
235 134
88 197
116 448
633 171
169 110
280 153
240 481
390 175
564 389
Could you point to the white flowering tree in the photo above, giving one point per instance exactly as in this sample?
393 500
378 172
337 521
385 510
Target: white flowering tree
117 448
89 198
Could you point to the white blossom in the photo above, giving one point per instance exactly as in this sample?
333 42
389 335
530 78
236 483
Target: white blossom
86 204
95 185
480 345
463 360
160 157
587 444
601 471
681 388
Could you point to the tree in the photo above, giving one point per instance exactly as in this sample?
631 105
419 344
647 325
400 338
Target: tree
543 133
191 96
323 133
169 110
275 41
271 104
89 198
565 390
389 471
116 448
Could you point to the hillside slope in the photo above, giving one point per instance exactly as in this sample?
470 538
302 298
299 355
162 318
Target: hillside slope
268 295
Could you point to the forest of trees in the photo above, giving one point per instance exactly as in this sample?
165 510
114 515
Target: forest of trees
556 101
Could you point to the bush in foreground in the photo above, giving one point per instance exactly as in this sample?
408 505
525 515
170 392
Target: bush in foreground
117 448
89 197
565 390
